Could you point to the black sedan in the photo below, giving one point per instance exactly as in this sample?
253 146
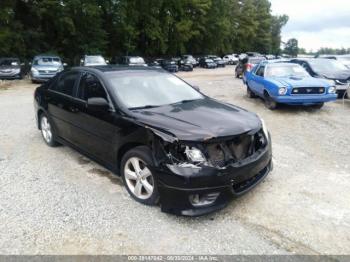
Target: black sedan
207 63
10 68
171 144
185 65
334 71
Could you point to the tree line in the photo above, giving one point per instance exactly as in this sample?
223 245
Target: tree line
71 28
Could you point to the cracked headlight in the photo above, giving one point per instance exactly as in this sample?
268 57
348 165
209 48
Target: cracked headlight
194 154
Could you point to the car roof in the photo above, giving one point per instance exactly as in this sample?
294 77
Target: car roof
117 68
46 56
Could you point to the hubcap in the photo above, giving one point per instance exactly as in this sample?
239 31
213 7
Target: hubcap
46 129
138 178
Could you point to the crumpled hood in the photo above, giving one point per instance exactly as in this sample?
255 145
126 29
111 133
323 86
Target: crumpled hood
336 75
298 81
199 120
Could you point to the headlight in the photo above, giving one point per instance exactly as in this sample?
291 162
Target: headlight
34 70
266 132
332 90
194 154
282 91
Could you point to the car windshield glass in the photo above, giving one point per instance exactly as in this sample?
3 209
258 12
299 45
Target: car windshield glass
256 60
344 58
137 60
285 71
48 61
95 60
326 65
9 62
142 89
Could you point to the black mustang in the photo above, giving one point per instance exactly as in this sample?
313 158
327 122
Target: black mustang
170 143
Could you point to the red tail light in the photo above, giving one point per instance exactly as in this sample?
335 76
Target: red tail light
249 67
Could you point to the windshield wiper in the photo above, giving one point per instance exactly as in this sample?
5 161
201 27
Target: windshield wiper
143 107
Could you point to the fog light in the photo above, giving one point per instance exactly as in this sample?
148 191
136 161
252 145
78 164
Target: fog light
203 199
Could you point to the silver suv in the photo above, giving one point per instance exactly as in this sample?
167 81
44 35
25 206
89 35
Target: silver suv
45 67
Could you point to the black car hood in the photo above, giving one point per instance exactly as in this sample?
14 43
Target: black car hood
199 120
337 75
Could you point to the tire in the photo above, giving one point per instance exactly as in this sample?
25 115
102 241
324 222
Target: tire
269 103
250 93
47 131
141 185
318 106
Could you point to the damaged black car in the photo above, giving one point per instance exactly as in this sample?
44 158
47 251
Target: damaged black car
171 144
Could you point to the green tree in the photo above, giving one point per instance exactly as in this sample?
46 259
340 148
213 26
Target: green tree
291 47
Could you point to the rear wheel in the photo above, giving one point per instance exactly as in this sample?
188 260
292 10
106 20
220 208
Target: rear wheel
47 131
138 177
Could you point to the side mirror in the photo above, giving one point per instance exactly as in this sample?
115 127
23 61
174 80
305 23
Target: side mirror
98 104
196 88
107 61
65 64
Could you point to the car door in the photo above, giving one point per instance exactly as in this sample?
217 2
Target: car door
60 104
258 80
94 131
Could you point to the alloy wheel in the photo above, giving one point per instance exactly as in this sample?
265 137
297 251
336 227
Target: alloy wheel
46 129
138 178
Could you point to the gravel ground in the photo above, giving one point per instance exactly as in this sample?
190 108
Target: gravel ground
55 201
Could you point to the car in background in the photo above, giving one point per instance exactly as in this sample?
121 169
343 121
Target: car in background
171 144
217 60
45 67
246 64
93 60
332 70
168 65
11 68
190 59
185 65
344 59
287 83
230 59
129 61
207 63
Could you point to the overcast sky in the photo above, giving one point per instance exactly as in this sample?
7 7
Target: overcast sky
316 23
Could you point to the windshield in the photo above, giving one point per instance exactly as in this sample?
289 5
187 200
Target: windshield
286 71
48 61
95 60
9 62
326 65
137 60
256 60
141 89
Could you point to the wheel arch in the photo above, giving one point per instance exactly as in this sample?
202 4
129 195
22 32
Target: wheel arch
124 149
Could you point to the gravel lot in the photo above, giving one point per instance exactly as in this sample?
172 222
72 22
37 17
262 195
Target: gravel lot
55 201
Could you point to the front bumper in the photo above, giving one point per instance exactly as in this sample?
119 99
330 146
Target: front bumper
305 99
10 77
42 77
177 185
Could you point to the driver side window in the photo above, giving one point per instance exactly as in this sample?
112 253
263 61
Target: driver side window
90 86
260 71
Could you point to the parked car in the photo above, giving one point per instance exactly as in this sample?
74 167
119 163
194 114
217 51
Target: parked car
230 59
11 68
190 59
185 65
93 60
332 70
169 65
170 143
344 59
287 83
246 64
45 67
129 61
207 63
217 60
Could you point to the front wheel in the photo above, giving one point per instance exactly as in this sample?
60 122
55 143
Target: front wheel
250 93
270 103
138 177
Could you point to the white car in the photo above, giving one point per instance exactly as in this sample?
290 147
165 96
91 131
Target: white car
230 59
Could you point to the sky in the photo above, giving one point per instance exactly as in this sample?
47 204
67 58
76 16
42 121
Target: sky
315 23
